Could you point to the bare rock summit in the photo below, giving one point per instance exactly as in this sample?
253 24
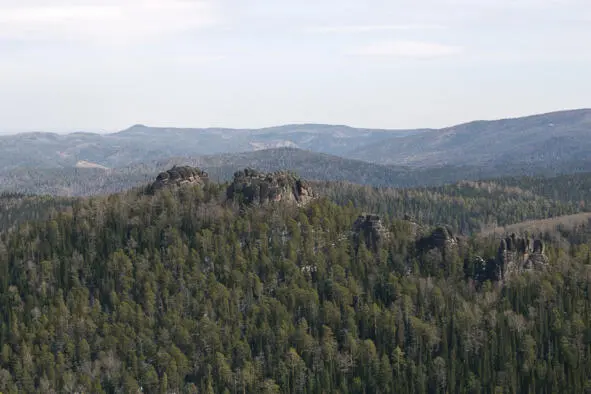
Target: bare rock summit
253 187
178 176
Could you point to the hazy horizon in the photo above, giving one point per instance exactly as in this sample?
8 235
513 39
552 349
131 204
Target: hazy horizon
246 127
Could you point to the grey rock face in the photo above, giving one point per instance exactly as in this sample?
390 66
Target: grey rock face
178 176
441 238
515 256
520 254
252 187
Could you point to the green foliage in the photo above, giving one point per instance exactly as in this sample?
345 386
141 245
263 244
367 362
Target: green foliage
468 207
181 291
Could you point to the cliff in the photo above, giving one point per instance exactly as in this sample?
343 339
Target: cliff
519 254
515 256
252 187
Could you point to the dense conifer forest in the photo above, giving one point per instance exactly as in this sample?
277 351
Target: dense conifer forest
185 290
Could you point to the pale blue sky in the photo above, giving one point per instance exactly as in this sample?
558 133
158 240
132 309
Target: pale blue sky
103 65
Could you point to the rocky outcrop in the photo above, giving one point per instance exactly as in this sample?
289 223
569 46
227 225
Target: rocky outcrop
252 187
178 176
515 256
441 238
369 229
519 254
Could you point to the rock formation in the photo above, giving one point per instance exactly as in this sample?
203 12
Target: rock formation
515 255
252 187
178 176
441 238
369 229
519 254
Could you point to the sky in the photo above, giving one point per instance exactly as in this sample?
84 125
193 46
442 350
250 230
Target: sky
104 65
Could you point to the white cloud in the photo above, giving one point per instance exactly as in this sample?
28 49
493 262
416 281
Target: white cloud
372 28
104 20
409 49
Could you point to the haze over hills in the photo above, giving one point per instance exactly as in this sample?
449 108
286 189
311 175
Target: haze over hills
534 140
141 143
538 140
86 179
86 163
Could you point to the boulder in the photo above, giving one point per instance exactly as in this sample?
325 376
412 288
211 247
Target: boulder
441 238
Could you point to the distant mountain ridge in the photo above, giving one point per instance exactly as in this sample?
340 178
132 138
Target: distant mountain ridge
536 140
141 143
547 144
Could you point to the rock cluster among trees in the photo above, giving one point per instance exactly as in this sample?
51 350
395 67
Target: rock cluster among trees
370 230
515 256
178 176
253 187
441 238
518 254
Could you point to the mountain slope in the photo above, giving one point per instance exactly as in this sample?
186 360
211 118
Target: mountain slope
539 140
466 206
316 166
85 180
141 143
549 144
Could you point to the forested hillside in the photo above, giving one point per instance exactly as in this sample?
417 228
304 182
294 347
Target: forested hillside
544 140
140 143
75 181
468 207
20 208
82 164
549 183
194 289
552 143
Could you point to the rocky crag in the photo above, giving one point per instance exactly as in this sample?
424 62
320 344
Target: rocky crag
516 255
441 238
178 176
520 254
251 187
